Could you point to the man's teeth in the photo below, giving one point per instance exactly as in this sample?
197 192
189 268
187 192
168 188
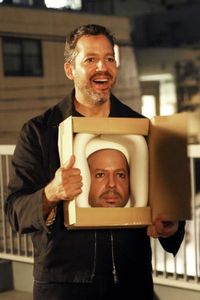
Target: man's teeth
101 80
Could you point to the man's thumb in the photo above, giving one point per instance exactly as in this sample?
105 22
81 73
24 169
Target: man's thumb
69 164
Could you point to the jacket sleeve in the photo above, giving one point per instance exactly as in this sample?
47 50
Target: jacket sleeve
172 243
23 205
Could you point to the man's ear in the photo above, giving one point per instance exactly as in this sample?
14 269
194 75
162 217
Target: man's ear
69 71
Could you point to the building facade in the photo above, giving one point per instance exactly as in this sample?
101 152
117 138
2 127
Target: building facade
31 64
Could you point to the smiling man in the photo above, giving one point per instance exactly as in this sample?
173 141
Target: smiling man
93 71
81 264
110 185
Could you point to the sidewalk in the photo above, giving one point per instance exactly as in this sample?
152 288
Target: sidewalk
15 295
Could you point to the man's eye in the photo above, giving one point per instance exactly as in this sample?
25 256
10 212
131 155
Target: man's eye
89 59
99 175
110 59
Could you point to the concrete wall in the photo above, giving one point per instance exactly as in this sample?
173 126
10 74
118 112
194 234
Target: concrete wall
22 276
166 292
6 279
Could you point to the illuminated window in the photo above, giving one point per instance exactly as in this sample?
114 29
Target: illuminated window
148 106
167 94
72 4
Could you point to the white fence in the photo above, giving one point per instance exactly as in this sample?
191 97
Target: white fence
13 246
184 269
181 271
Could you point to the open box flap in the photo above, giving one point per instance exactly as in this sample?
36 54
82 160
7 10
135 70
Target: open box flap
169 177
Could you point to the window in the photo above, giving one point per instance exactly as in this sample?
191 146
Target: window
23 2
69 4
149 105
22 57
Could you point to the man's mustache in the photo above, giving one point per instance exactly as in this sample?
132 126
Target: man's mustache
99 73
111 192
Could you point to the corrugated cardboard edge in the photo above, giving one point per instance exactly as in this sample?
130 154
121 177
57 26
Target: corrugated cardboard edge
111 125
111 217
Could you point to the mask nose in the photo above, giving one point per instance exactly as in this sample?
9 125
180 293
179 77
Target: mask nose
111 180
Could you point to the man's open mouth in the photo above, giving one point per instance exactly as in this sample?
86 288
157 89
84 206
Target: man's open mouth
100 80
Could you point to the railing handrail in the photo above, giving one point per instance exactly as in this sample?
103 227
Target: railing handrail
7 149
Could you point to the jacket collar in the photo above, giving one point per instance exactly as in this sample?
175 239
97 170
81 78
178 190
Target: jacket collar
61 111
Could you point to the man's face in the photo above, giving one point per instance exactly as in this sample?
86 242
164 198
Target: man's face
94 69
109 179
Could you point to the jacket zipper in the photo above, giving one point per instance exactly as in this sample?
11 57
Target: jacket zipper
114 272
95 256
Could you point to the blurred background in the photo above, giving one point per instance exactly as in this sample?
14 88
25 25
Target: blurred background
158 54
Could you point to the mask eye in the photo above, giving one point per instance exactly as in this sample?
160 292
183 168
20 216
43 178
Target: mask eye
121 175
99 174
110 59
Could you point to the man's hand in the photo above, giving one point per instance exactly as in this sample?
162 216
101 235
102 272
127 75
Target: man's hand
66 184
162 228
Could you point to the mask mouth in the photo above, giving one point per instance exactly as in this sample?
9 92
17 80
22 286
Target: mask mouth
110 194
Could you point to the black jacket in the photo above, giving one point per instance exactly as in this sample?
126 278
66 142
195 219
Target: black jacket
62 255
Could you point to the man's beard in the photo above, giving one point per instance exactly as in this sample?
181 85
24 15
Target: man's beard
96 98
93 97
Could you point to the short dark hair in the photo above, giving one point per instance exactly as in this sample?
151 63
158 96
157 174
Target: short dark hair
75 35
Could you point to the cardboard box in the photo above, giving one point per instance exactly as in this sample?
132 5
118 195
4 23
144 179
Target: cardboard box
170 190
169 176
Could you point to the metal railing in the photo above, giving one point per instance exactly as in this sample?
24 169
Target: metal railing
180 271
13 246
183 270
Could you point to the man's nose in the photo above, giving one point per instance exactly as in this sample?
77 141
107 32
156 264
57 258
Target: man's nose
101 65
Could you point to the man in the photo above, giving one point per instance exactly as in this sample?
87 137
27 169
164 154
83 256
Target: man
79 264
109 178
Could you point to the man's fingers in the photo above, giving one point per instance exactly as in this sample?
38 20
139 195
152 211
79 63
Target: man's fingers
151 231
162 229
71 193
